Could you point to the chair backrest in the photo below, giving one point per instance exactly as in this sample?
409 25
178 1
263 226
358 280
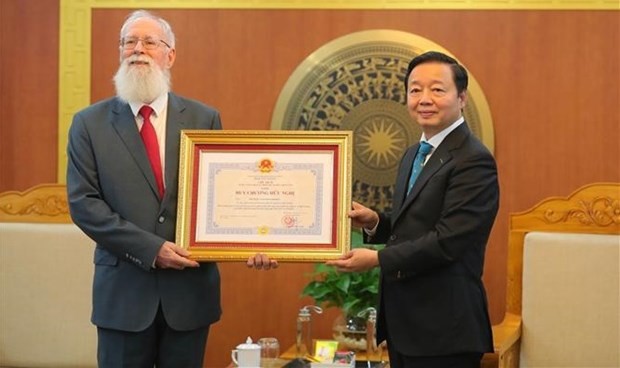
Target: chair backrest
46 271
563 279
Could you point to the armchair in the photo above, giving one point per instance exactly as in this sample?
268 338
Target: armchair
46 273
562 298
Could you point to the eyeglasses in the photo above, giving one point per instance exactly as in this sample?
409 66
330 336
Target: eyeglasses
148 43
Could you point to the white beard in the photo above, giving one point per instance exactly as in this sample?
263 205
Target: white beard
141 84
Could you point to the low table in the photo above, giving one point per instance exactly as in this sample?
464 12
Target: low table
381 355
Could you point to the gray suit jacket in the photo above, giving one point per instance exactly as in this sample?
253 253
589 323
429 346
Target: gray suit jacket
113 199
433 301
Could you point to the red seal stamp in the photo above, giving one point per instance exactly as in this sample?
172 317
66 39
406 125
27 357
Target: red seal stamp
289 221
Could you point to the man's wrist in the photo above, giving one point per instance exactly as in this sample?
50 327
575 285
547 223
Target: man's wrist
373 230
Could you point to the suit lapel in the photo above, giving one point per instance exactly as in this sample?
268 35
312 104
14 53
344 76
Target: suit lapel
124 123
402 179
441 156
174 125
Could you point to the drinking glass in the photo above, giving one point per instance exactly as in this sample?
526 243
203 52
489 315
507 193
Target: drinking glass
269 352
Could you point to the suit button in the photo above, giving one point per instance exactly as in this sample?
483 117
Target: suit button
161 219
392 237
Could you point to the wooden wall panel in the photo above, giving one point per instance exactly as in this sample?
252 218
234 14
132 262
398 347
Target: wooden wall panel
28 92
551 78
542 79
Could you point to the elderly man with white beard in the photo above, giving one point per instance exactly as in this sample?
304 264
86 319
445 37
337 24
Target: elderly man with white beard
152 304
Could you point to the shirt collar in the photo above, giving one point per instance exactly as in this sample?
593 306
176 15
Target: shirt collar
157 105
436 140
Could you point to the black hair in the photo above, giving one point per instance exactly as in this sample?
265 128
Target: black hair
459 73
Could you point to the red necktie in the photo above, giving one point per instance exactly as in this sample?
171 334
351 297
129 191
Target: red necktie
152 147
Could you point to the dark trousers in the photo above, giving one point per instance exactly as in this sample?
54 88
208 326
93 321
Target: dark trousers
158 346
466 360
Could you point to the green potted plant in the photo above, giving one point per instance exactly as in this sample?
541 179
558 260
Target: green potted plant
353 293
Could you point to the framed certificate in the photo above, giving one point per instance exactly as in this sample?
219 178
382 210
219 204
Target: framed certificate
282 193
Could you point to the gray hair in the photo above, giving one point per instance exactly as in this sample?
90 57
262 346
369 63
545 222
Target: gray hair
165 26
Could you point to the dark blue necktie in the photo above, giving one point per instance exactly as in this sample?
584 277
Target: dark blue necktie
424 149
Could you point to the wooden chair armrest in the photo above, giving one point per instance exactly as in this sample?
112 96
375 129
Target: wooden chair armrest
506 337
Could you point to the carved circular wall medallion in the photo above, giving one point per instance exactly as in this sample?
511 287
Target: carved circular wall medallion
356 83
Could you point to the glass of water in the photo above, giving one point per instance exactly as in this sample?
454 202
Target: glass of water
269 351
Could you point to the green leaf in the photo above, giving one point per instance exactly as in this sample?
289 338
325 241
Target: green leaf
353 292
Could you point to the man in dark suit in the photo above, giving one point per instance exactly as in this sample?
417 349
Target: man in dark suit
433 307
152 304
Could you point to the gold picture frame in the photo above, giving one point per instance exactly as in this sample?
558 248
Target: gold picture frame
282 193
